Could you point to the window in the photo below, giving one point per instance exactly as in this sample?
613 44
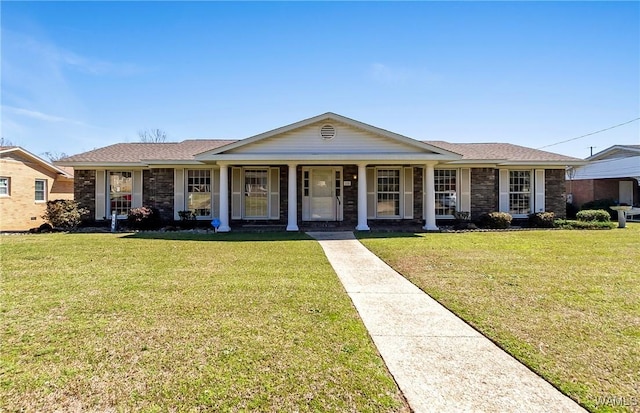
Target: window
41 190
445 181
199 192
388 193
519 192
4 186
256 193
120 191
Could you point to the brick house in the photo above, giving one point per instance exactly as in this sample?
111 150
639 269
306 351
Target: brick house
613 173
27 182
326 169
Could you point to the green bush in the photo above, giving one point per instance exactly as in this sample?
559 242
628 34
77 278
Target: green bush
605 204
495 220
64 213
542 220
599 215
144 218
571 224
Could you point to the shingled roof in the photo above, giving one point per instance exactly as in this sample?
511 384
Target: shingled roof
500 151
136 152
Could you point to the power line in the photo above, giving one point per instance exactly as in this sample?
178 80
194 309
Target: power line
589 134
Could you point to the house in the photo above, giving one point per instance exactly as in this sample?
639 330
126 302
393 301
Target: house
613 173
27 182
328 168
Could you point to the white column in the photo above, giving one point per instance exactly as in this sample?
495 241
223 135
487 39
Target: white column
292 219
362 198
430 200
224 199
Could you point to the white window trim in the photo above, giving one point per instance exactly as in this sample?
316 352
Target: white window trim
243 197
458 199
44 190
531 192
400 170
211 192
8 194
108 192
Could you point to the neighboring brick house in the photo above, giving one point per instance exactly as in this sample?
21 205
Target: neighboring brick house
613 173
27 182
328 168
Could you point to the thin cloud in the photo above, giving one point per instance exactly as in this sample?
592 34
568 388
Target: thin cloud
34 114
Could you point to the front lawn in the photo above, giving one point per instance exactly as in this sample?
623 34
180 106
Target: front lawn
566 303
226 322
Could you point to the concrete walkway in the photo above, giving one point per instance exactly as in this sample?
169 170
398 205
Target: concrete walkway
440 363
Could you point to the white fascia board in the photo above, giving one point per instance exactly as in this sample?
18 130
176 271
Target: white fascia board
604 153
354 157
544 164
37 159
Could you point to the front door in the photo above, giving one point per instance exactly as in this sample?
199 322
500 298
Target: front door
626 192
322 194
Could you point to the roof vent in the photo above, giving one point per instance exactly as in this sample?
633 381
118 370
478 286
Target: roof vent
327 132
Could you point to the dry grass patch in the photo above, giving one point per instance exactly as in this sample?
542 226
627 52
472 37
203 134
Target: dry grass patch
189 323
566 303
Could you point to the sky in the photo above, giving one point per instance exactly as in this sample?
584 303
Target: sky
76 76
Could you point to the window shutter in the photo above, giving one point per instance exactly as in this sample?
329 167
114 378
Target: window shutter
136 200
465 190
408 193
178 192
371 192
215 193
236 193
504 190
539 192
101 193
274 193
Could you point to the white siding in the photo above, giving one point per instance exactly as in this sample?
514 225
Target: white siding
307 140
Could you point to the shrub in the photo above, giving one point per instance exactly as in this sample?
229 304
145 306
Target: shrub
495 220
605 204
145 218
571 224
64 213
588 215
542 220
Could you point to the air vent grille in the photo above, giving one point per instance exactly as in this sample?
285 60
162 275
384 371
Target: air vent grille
327 132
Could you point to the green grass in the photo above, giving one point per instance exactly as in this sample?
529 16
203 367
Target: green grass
182 322
566 303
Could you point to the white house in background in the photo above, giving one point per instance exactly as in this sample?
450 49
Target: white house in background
613 173
325 169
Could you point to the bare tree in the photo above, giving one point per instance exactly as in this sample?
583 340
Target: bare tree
54 156
5 142
152 135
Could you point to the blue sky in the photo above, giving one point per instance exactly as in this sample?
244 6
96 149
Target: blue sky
76 76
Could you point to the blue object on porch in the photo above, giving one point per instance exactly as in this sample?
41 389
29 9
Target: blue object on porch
215 223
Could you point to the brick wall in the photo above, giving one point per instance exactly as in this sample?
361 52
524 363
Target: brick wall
350 196
84 189
158 191
555 197
484 191
418 193
19 211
